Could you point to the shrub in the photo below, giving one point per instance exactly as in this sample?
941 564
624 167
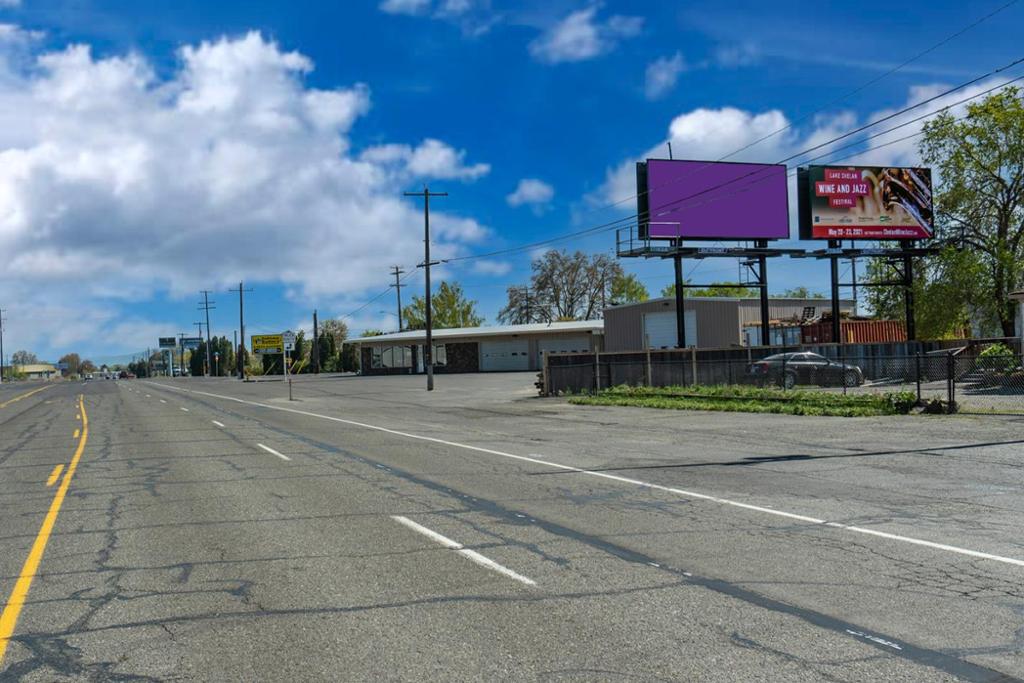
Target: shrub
998 358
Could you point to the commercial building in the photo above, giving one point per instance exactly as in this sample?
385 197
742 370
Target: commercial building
36 371
711 322
477 349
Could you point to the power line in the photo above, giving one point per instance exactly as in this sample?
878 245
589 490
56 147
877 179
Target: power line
842 98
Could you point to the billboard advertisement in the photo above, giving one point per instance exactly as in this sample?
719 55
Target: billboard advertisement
168 343
865 203
712 200
191 343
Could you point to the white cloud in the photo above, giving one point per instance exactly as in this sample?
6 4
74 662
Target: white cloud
661 75
405 6
580 36
430 159
716 133
488 267
532 192
734 56
116 184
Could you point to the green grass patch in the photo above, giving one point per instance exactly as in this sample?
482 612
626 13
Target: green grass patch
748 399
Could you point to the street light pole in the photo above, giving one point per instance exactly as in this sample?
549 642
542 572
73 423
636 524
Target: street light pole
428 352
2 319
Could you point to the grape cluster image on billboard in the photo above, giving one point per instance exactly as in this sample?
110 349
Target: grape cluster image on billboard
865 202
712 200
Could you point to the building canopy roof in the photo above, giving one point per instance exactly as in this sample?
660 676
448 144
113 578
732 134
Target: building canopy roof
412 336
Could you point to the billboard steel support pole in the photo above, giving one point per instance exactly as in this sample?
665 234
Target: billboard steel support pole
428 351
834 263
677 261
908 292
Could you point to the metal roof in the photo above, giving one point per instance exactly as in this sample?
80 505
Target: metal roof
588 326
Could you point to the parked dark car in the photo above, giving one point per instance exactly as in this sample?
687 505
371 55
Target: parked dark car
790 369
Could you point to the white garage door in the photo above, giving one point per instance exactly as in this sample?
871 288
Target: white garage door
566 345
504 355
660 329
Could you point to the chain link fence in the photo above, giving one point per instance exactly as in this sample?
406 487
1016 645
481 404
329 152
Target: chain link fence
977 376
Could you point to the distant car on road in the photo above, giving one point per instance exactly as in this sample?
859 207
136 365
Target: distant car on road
790 369
87 378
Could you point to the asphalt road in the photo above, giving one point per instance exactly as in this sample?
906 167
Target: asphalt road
213 530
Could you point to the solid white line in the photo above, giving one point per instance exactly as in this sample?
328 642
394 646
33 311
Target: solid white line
270 450
636 482
219 424
185 409
462 550
163 401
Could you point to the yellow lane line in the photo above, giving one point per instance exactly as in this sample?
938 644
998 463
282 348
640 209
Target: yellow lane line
25 395
54 474
9 617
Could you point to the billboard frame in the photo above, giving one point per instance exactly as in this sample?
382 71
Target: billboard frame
805 210
644 208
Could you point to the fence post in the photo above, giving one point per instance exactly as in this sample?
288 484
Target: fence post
950 382
917 363
650 376
597 369
693 364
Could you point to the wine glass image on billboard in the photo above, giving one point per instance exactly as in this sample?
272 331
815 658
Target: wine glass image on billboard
866 202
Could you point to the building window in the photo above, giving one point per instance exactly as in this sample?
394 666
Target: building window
440 354
375 358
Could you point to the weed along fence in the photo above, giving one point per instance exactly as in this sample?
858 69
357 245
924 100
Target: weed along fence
981 375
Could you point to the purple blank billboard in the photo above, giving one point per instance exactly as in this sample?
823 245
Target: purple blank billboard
713 200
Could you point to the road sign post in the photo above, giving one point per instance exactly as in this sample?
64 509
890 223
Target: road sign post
289 345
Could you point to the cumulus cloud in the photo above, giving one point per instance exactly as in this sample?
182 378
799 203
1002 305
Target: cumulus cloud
661 75
116 183
712 134
430 159
532 192
581 36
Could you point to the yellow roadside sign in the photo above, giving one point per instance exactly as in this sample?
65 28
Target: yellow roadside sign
267 343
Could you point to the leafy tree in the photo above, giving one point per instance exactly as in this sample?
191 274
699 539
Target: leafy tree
449 308
980 196
717 289
73 361
372 333
628 289
197 361
564 286
87 366
802 292
23 358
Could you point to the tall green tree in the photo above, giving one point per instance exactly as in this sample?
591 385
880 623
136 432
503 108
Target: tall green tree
73 361
980 197
717 289
564 286
627 289
449 308
801 292
23 358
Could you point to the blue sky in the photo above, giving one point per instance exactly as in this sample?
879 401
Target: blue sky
277 138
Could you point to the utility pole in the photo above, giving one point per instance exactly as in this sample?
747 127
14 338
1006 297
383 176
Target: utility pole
200 326
396 271
2 320
206 305
181 351
428 352
315 352
240 350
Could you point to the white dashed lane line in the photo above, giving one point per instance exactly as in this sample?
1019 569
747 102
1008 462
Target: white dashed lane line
270 450
462 550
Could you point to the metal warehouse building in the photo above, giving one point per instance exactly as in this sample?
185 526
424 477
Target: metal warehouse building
711 322
477 349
